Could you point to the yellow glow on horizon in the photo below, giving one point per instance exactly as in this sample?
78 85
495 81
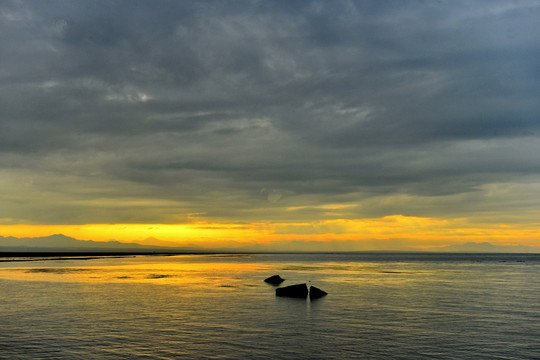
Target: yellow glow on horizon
429 232
134 232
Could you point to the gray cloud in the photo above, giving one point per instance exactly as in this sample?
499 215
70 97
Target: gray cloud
240 110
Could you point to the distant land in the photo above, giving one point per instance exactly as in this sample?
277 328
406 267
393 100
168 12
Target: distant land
62 243
486 247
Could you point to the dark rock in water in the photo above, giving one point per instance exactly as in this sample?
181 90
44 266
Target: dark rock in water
297 291
315 293
274 280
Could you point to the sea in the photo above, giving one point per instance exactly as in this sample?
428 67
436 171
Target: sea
217 306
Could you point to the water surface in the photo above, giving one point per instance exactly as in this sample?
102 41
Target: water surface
401 306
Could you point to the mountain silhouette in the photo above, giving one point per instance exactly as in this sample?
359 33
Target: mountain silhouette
60 242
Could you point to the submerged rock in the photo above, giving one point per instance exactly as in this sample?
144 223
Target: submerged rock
315 293
274 280
297 291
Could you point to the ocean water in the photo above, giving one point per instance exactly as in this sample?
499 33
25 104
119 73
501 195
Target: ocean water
379 306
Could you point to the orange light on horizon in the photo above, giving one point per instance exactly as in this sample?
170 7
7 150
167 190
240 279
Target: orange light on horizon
134 232
429 232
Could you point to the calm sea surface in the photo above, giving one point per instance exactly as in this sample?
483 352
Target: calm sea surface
380 306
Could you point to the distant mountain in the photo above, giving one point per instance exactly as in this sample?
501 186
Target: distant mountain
61 242
486 247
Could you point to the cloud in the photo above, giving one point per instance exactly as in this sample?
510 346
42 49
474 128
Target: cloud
239 111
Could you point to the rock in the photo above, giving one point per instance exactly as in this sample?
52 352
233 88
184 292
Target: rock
274 280
297 291
315 293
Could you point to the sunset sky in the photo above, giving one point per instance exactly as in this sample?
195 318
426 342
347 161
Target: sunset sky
347 125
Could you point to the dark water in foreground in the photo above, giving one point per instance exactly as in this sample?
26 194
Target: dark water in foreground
380 306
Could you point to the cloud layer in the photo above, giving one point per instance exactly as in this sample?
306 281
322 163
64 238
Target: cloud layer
136 111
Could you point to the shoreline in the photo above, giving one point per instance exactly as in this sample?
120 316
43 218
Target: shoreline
15 256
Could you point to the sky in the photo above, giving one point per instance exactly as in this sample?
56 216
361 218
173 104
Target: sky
351 125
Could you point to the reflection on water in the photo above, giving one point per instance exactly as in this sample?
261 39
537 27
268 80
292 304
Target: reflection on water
57 270
379 306
170 270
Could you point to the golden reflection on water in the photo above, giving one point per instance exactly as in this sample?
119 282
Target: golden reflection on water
177 270
212 271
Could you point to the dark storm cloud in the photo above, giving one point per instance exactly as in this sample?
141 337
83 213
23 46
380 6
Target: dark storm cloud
335 101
